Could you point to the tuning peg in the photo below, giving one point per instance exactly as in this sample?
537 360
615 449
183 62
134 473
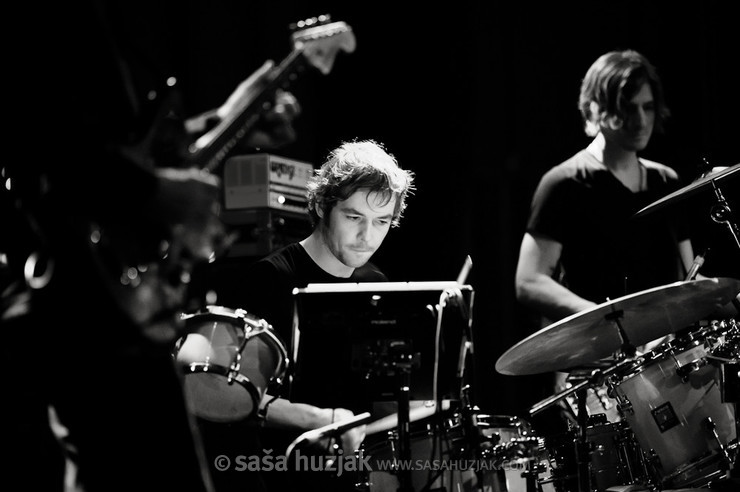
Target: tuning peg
310 22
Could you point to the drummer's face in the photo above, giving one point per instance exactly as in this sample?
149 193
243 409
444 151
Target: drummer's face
356 227
637 125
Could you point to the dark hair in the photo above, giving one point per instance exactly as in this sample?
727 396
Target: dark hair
610 83
354 165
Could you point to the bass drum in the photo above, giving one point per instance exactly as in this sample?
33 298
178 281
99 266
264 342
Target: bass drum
672 401
229 358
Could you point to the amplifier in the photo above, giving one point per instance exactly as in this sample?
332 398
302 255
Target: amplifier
260 231
266 181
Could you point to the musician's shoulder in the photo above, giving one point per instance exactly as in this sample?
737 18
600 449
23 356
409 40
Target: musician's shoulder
664 170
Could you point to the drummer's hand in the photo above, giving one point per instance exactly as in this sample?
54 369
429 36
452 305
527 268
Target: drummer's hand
561 382
351 439
454 297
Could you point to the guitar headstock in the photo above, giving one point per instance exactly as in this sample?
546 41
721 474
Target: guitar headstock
321 40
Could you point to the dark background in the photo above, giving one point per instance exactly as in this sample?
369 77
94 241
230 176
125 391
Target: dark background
479 100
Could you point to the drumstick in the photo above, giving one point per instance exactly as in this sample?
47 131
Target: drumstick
334 429
416 413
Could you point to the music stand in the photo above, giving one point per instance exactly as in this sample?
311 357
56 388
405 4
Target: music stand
358 343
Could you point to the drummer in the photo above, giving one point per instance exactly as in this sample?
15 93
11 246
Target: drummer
581 247
357 196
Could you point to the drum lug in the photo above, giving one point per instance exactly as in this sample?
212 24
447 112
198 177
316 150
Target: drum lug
711 428
685 371
624 406
363 486
652 459
234 369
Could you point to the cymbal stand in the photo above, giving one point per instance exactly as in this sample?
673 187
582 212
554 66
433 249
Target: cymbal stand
596 378
582 446
627 348
721 213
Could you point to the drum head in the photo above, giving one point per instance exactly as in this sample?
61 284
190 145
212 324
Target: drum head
229 359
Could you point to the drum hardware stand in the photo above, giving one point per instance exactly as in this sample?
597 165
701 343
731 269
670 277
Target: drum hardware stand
627 348
711 427
721 213
404 443
474 442
582 446
396 358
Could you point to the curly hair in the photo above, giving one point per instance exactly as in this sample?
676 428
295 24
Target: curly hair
355 165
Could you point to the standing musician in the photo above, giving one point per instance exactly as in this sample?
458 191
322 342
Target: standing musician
581 246
104 218
354 200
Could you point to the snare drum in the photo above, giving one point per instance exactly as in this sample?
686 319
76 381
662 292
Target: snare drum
671 399
229 358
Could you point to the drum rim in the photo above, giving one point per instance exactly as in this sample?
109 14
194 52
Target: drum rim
660 354
219 370
216 311
283 359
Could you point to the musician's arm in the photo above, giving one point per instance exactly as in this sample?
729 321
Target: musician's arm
286 414
535 286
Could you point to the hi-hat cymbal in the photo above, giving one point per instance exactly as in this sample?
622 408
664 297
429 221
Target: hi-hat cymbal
702 183
594 334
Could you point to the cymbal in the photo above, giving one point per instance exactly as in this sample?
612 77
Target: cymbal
698 185
594 334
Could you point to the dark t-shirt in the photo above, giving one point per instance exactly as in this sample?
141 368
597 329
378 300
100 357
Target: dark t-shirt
606 252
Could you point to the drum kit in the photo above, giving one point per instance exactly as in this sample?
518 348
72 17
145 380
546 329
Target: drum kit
676 425
661 419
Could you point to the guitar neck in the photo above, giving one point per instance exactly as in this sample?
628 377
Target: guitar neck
208 152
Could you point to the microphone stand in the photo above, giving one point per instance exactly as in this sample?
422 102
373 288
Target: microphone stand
403 360
404 441
396 358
